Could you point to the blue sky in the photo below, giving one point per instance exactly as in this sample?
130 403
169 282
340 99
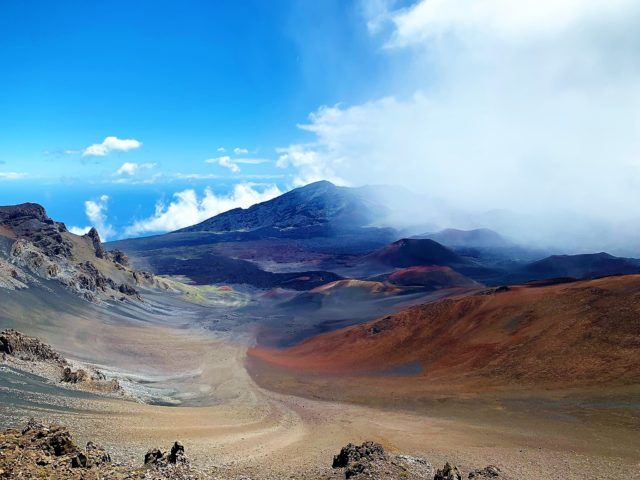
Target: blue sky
140 117
185 79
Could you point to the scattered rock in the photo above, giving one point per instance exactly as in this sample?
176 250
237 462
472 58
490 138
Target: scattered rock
153 456
77 376
48 451
448 473
490 471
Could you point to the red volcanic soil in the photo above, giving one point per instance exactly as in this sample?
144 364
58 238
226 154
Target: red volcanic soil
430 276
577 334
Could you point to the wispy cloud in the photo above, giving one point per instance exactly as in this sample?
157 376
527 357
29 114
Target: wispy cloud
187 208
108 145
12 175
240 151
96 212
226 162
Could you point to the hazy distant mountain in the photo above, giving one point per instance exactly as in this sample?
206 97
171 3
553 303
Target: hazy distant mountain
477 238
579 266
317 205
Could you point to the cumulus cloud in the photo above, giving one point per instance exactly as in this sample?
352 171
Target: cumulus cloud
96 212
12 175
187 208
240 151
108 145
130 168
528 105
221 149
226 162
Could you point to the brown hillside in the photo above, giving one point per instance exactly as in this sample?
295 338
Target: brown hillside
576 334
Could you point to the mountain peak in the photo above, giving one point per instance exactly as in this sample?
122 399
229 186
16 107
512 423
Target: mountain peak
316 205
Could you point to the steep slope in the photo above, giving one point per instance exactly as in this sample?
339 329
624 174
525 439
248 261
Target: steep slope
573 334
34 249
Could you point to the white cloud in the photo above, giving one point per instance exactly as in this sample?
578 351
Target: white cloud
108 145
528 105
130 168
96 212
195 176
12 175
188 209
221 149
240 151
226 162
79 230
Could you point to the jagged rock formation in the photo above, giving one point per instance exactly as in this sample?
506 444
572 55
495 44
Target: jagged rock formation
48 451
370 460
30 353
35 249
15 343
448 472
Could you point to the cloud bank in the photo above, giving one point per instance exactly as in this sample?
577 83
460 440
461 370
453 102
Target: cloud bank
187 208
530 105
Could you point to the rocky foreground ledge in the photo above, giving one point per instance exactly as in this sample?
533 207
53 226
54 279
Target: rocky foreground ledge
48 451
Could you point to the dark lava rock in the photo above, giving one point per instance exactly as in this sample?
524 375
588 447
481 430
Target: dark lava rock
358 459
153 456
118 256
489 471
96 455
448 473
177 454
94 236
77 376
127 289
79 461
22 346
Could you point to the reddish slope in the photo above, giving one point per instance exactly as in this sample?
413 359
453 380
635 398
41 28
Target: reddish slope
430 276
583 333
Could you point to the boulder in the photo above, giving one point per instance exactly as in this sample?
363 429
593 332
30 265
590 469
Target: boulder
177 453
154 456
359 459
448 472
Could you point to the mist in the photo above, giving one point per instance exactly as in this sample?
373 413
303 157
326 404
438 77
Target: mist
518 116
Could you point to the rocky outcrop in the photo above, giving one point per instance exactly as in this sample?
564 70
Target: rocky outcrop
24 347
448 472
36 248
29 353
48 451
157 458
370 460
94 237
